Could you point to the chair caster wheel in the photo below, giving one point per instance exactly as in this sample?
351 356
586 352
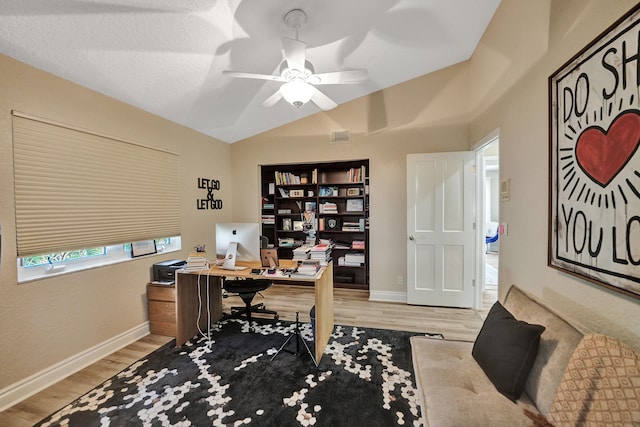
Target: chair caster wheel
276 317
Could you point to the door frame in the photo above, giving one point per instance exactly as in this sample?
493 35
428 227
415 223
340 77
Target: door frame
480 260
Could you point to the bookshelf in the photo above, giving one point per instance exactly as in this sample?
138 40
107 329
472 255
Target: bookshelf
303 204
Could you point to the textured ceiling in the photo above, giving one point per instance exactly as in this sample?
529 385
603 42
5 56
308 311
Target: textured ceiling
167 56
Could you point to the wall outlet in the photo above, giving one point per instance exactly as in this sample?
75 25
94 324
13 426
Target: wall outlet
400 280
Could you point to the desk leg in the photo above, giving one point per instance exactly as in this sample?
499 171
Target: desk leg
324 310
187 304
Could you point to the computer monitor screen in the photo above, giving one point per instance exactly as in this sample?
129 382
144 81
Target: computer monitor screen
246 235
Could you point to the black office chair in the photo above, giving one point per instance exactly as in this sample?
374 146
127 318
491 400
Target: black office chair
247 289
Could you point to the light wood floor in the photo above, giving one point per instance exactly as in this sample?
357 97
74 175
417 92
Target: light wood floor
352 308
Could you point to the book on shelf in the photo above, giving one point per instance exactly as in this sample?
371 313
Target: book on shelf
342 262
358 244
288 178
328 208
332 224
342 245
283 192
357 174
328 191
286 242
354 258
268 219
350 226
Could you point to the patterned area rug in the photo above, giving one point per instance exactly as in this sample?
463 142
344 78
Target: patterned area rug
364 378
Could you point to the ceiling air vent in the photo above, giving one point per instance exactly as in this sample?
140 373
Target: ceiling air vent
340 136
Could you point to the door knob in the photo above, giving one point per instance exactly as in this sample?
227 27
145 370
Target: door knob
411 237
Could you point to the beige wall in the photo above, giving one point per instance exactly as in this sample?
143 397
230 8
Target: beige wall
427 114
503 86
519 107
47 321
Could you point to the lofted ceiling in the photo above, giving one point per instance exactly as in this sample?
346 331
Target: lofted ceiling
167 56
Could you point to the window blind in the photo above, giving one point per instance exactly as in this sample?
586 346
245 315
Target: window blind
76 189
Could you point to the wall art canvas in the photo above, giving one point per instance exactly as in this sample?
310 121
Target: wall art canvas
594 209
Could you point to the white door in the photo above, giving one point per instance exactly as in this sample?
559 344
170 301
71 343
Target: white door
440 229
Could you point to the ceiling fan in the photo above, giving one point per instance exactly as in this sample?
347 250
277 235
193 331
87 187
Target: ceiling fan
298 75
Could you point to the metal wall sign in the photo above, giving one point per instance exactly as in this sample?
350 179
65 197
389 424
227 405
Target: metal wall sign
594 186
210 202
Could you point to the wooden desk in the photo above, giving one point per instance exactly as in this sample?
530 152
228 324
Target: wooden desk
187 302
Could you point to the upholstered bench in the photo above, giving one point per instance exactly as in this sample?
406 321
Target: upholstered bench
497 380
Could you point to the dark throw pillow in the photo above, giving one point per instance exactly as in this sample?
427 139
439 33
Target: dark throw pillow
505 349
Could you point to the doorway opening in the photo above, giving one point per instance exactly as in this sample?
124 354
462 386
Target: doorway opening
488 208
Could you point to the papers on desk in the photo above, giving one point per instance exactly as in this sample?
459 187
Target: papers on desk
304 276
276 273
233 268
163 282
294 274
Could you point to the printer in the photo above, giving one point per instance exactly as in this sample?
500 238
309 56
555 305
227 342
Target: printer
165 271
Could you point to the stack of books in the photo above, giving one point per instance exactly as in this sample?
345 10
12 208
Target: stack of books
328 208
308 268
301 253
321 253
268 219
197 261
351 226
351 260
358 244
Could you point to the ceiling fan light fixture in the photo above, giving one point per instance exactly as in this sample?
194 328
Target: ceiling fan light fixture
297 73
296 92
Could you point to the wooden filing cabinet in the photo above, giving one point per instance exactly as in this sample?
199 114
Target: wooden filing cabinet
161 302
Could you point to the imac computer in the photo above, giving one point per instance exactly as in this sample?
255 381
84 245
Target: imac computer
237 241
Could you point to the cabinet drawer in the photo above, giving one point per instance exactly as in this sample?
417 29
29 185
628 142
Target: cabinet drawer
161 311
161 293
165 329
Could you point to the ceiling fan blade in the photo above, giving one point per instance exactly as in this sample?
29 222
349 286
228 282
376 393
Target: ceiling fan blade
243 75
273 99
322 100
340 77
294 53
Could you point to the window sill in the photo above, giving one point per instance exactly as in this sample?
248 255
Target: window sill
34 274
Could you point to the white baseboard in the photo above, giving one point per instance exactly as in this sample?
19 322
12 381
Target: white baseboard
29 386
384 296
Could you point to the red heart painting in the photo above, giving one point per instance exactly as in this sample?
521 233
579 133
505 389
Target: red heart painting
603 154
